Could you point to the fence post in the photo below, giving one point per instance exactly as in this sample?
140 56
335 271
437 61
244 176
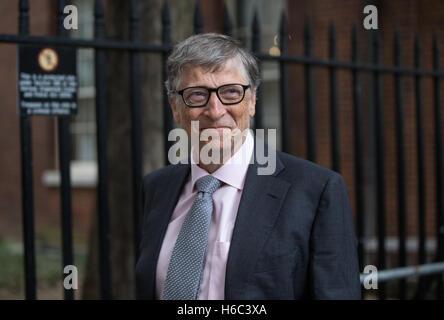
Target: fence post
27 179
256 49
64 163
380 185
400 147
359 170
228 27
420 162
439 165
334 113
198 24
167 113
101 119
136 126
283 68
309 95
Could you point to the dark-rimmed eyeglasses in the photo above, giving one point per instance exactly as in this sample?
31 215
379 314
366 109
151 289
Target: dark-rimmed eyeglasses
195 97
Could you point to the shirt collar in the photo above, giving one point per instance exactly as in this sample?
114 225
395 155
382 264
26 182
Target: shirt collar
234 171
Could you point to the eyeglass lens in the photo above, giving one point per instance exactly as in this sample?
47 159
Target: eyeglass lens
230 94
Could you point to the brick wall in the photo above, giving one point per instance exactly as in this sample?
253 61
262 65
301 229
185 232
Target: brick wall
407 17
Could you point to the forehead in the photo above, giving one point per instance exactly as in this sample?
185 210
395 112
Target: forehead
232 71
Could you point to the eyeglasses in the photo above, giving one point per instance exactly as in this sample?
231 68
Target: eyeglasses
195 97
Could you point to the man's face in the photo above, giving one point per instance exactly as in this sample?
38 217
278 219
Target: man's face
215 114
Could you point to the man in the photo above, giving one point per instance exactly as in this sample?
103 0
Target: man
221 230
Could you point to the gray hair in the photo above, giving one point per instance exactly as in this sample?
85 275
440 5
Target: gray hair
209 51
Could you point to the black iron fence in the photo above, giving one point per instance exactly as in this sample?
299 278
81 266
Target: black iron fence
309 62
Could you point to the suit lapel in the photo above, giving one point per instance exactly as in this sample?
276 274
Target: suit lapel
259 208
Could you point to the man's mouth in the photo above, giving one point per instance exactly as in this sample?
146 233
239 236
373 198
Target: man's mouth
216 128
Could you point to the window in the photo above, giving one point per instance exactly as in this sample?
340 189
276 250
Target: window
83 127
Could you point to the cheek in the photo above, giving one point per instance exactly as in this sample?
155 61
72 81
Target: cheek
241 114
192 114
187 115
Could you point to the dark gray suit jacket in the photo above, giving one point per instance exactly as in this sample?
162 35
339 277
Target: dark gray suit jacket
293 237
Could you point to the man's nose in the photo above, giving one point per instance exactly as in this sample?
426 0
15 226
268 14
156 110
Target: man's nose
214 108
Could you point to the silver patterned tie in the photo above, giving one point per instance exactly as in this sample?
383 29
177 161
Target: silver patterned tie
188 257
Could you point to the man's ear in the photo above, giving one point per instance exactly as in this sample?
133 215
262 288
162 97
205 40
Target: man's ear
175 109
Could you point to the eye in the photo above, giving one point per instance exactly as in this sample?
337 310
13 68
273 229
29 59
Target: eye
195 95
232 92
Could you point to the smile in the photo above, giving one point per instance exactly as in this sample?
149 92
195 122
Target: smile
216 128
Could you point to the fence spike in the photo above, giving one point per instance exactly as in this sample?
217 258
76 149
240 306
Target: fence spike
332 40
198 24
60 6
134 21
24 17
283 33
166 24
308 37
256 25
61 31
228 27
256 33
355 44
98 9
397 48
435 51
283 25
133 10
166 14
98 19
376 48
417 51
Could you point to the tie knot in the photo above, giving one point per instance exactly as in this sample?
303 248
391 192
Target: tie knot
207 184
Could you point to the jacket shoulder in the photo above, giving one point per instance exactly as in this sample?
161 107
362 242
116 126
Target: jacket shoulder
298 169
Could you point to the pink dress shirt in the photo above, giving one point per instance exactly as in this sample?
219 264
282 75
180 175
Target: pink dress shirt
225 205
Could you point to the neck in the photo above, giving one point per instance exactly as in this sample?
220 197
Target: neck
210 168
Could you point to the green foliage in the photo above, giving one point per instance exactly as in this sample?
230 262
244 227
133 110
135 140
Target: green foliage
48 266
11 269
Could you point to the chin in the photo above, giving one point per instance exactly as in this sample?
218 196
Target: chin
224 149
